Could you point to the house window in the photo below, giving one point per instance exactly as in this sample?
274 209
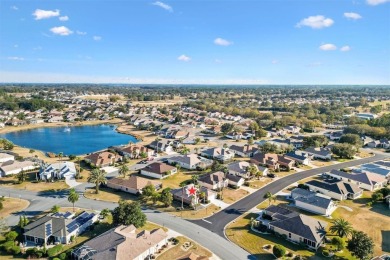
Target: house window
289 235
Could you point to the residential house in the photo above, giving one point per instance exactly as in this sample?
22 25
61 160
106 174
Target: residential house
338 190
190 161
240 168
158 170
313 201
5 157
161 146
56 228
319 153
15 167
122 243
180 195
302 158
102 159
213 181
375 168
244 151
292 129
382 143
133 185
234 135
297 228
235 180
217 153
134 151
365 180
272 161
61 170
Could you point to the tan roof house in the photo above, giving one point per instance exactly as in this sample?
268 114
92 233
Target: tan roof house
102 159
133 185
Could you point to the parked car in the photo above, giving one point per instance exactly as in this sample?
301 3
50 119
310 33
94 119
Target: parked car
271 175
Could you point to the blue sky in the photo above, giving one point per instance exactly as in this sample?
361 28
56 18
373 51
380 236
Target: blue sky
217 42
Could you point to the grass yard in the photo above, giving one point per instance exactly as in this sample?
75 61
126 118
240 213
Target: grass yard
175 180
107 194
321 163
32 185
189 213
364 154
232 195
11 205
177 251
257 184
239 233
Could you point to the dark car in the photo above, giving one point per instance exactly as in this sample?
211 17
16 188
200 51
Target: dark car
271 175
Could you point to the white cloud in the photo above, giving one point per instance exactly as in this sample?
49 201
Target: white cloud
81 33
275 61
61 30
222 42
16 58
97 38
163 6
14 7
45 14
316 22
63 18
352 16
184 58
377 2
345 48
328 47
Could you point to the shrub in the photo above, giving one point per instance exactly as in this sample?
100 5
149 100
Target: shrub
62 256
284 236
289 254
11 236
15 250
262 228
54 250
325 253
34 253
7 246
279 251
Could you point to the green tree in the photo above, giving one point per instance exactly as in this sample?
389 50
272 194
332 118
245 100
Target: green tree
226 128
166 197
341 227
105 213
268 148
194 179
270 197
251 141
352 139
97 177
361 245
23 221
55 209
339 243
377 196
315 141
279 251
123 170
147 192
21 176
155 197
129 214
252 169
11 236
73 197
344 150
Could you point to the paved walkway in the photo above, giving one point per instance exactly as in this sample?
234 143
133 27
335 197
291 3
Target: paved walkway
71 182
220 203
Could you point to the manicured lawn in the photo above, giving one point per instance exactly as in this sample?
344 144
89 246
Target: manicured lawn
321 163
257 184
177 251
32 185
175 180
189 213
232 195
11 205
107 194
240 233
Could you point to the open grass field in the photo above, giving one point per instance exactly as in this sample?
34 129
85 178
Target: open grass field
107 194
177 251
189 213
175 180
232 195
11 205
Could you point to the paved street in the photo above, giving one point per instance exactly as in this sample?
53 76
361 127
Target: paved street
218 221
209 234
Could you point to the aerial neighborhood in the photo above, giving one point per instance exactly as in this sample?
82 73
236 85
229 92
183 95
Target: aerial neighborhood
279 174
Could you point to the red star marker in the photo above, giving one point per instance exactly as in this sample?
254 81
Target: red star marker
192 191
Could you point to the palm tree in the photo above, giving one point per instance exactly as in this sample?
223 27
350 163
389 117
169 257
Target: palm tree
341 227
55 209
60 155
270 197
97 177
123 170
73 197
194 179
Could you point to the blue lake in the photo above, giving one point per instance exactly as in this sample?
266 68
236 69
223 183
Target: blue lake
79 140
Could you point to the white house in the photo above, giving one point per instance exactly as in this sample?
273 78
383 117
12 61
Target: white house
336 190
61 170
213 181
366 180
14 167
319 153
313 202
4 157
190 161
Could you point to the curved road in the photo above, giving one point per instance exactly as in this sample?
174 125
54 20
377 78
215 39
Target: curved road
218 221
209 233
